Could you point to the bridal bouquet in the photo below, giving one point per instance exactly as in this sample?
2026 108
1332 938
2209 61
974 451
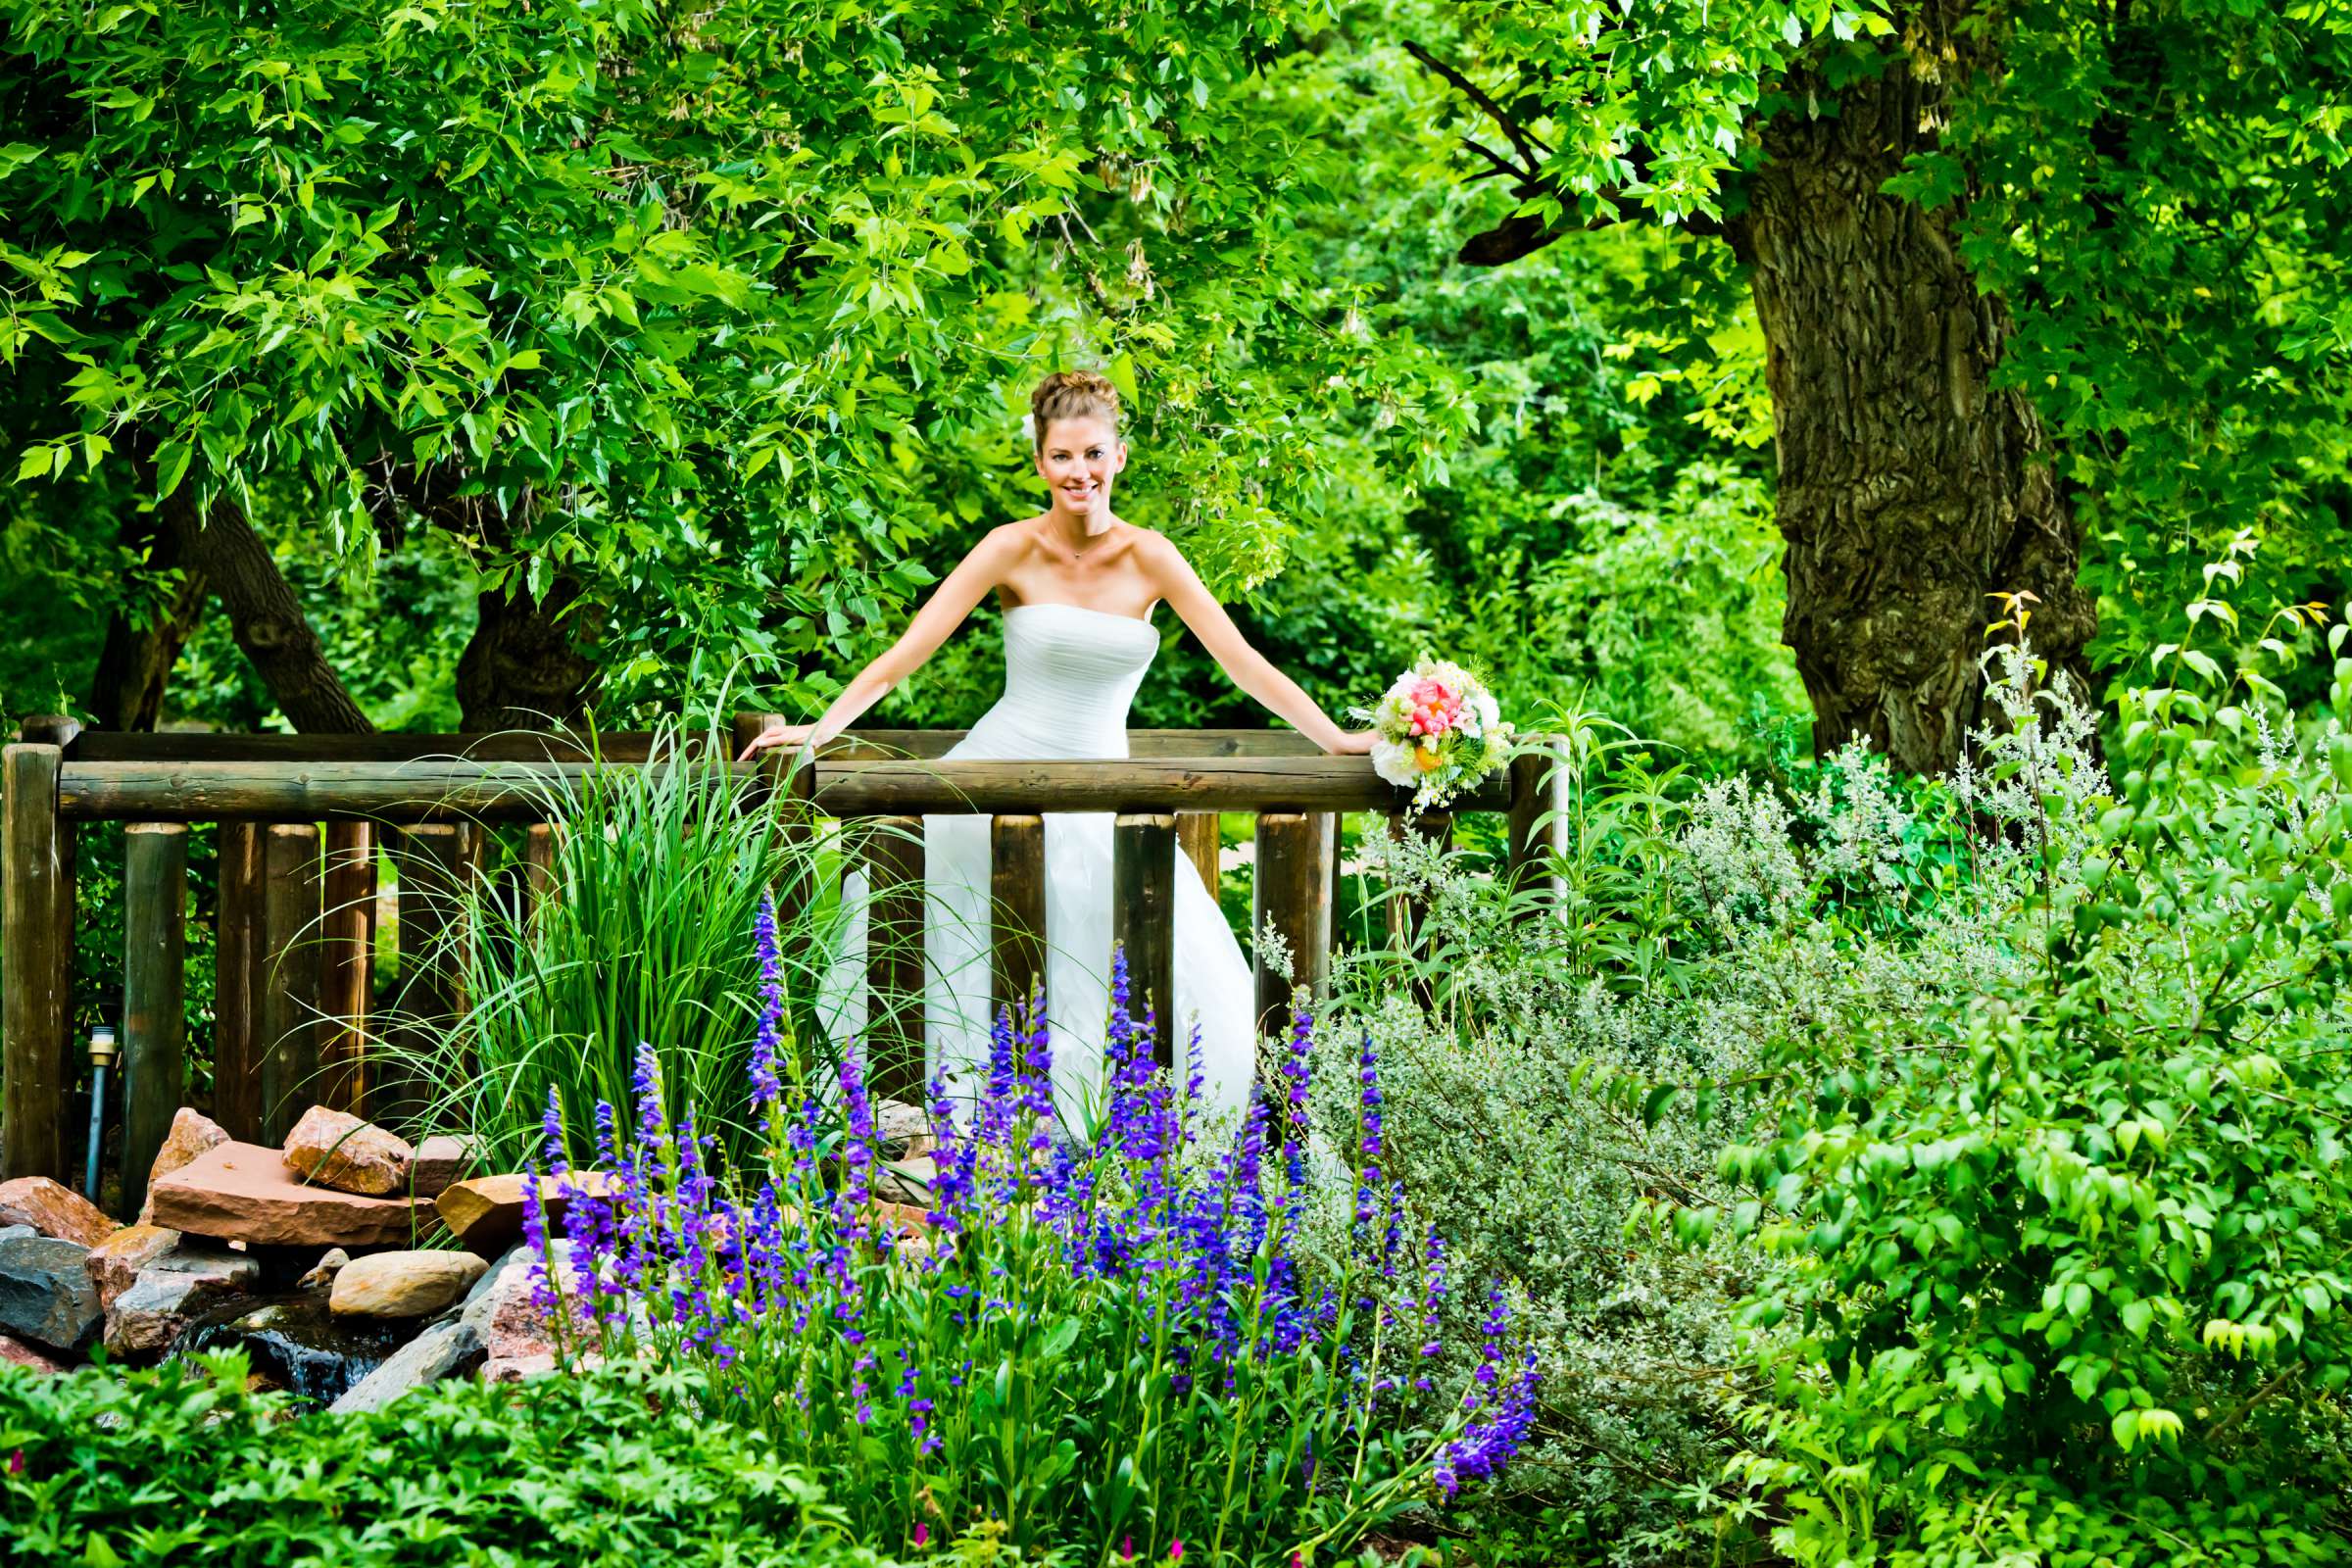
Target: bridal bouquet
1439 732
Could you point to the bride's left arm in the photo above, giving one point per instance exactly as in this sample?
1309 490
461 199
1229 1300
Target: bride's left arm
1251 672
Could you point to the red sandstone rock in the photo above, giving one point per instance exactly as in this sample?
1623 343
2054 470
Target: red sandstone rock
114 1262
53 1210
244 1193
441 1159
191 1135
485 1213
337 1150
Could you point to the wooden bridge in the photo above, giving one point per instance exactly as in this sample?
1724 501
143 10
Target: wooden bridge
302 818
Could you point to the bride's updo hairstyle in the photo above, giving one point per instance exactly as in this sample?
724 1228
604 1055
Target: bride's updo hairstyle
1071 395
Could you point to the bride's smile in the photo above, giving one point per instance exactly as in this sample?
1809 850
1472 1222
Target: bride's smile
1078 457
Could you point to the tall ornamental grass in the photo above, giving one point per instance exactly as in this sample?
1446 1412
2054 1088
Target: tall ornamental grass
632 944
1101 1347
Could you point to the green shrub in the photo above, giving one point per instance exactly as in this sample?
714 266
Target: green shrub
1936 1173
2068 1245
179 1465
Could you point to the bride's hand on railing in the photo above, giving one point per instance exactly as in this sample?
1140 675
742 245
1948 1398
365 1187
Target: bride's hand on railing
1355 743
776 735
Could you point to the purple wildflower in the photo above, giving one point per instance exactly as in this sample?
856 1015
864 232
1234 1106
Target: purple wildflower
767 1091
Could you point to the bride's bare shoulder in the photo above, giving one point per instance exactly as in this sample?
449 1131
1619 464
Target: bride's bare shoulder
1008 540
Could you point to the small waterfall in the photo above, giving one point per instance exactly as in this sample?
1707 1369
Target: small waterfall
293 1343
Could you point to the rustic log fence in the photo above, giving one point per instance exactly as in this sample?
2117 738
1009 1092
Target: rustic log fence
302 818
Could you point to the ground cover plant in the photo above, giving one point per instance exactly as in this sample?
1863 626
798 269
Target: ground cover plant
1105 1347
180 1465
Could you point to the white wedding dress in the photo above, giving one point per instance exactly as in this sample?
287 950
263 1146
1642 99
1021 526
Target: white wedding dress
1069 676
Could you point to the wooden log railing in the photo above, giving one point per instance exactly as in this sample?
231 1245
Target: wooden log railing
302 820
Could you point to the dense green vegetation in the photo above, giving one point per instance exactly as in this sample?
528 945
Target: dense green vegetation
1903 448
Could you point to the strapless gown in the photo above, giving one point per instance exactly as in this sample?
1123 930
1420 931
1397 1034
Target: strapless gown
1069 676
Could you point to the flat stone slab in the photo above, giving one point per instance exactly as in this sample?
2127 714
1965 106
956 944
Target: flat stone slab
54 1210
246 1193
485 1213
441 1159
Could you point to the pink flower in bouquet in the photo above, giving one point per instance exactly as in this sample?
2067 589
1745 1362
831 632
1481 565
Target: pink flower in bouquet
1437 731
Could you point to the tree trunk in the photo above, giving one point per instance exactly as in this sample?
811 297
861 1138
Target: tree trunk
135 664
267 619
523 668
1910 491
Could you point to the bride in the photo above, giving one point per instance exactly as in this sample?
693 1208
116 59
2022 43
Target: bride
1078 586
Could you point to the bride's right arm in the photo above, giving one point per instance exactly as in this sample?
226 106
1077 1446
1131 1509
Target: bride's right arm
973 578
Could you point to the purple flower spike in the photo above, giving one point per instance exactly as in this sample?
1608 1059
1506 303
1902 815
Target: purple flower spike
552 1124
765 1089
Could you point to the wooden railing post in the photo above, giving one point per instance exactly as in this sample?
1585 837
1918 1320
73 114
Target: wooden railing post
347 969
288 1013
538 865
236 957
1198 837
894 957
36 911
55 729
154 900
1539 786
1294 854
1142 918
429 861
1017 910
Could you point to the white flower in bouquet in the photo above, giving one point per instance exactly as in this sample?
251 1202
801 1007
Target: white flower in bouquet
1439 732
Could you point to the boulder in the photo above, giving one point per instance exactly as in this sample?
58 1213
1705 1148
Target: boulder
500 1309
54 1210
903 1130
114 1262
31 1357
441 1159
907 1181
147 1318
46 1294
443 1350
245 1193
485 1212
414 1284
337 1150
323 1271
191 1135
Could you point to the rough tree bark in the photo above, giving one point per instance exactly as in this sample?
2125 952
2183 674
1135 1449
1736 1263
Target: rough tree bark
134 666
264 615
1910 492
524 668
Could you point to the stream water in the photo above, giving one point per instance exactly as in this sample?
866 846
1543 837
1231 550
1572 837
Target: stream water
293 1343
